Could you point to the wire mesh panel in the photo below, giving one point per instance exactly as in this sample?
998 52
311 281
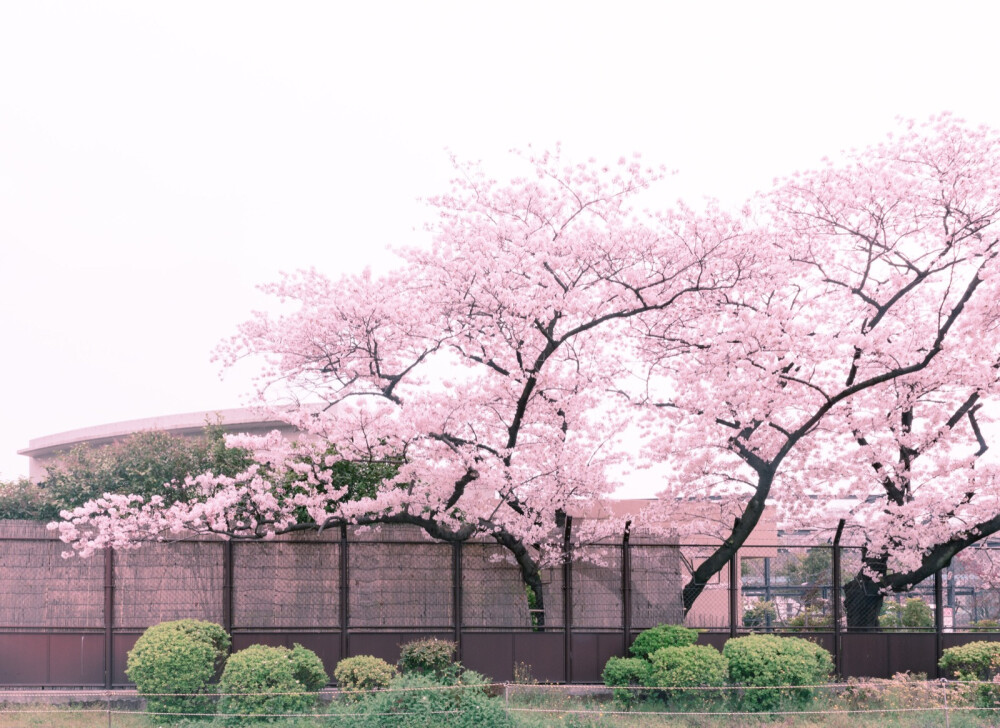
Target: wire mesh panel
597 587
161 582
911 611
42 589
793 589
494 595
286 585
400 585
657 580
866 608
972 591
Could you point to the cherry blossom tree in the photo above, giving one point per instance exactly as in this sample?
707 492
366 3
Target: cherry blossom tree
477 376
838 339
861 367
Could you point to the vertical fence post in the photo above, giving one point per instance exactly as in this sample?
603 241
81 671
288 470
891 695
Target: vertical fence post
568 599
456 594
227 588
626 590
734 592
344 591
938 621
109 614
838 660
734 610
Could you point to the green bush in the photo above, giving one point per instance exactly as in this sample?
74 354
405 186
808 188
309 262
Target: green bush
985 625
263 680
914 612
625 674
974 662
769 660
414 700
431 657
363 672
177 657
664 635
761 614
692 666
811 617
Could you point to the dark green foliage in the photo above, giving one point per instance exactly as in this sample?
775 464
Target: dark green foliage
177 657
769 660
811 617
985 625
761 615
626 673
431 657
363 672
414 701
263 680
360 478
664 635
23 499
145 464
913 613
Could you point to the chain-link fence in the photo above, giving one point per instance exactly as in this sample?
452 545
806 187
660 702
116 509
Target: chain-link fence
396 583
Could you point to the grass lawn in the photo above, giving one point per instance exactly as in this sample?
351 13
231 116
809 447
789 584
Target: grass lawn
910 704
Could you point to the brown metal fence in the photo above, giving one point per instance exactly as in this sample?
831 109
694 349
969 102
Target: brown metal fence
71 622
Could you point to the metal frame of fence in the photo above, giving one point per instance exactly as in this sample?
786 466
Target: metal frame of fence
580 634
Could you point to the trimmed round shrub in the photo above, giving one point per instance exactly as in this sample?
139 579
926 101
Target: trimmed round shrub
761 661
431 657
262 680
692 666
972 661
414 700
361 673
975 662
664 635
625 674
183 657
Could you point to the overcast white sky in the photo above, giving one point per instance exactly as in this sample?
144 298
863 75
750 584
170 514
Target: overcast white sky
160 159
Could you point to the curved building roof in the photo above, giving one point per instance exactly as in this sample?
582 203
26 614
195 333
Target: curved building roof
42 450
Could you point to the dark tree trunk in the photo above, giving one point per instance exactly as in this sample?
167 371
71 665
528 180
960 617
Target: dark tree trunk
862 602
863 595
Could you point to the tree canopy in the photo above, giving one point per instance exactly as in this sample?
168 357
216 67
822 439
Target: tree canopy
836 338
145 463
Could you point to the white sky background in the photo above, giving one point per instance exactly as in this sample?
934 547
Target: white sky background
158 160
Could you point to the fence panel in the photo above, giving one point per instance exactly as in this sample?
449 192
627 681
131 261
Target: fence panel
55 631
597 588
400 585
494 596
286 585
657 579
41 589
793 589
161 582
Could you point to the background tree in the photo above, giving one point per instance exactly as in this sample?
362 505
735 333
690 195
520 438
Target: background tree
145 463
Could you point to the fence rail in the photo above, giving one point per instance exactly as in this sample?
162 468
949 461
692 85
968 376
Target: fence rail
71 622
